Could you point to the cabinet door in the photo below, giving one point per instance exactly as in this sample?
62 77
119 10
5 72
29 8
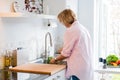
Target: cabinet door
58 76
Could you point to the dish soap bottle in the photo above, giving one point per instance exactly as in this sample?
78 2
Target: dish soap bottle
104 64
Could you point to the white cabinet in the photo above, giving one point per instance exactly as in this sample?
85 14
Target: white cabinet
58 76
56 6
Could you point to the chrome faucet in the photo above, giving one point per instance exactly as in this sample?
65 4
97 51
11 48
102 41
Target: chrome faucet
46 51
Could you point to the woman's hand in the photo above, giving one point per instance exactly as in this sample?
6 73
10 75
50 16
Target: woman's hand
52 61
58 58
59 51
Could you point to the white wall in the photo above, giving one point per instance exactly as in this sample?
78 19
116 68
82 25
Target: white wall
86 14
28 33
55 6
2 42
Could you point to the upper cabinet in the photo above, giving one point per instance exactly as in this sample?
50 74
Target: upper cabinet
53 7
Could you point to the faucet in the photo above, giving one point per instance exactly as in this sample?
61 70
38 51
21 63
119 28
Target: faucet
46 51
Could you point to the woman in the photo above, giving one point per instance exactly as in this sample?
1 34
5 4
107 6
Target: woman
77 47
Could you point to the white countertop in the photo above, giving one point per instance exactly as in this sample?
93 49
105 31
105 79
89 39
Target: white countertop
108 70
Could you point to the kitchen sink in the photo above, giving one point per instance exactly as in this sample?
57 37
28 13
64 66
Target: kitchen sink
41 61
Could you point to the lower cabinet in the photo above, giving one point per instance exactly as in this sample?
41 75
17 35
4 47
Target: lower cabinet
58 76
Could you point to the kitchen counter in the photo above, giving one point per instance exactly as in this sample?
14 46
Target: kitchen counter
47 69
102 71
108 70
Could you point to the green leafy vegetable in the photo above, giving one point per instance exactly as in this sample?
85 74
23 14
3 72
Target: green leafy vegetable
49 58
111 58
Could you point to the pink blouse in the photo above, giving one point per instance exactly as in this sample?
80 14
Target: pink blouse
77 48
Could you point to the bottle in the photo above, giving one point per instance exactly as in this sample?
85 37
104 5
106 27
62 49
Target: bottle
7 59
14 58
10 58
100 65
104 64
2 58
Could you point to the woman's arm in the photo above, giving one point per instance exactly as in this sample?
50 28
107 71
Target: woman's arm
58 58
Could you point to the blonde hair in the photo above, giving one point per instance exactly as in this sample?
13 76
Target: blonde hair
67 16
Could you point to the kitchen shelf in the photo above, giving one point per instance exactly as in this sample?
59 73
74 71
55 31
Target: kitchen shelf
12 14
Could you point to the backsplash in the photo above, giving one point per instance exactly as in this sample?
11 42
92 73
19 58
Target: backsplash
29 34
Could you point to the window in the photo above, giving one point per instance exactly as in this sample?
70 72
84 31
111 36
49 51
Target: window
109 27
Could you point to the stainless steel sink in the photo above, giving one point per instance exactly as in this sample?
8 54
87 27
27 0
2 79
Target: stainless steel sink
41 61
